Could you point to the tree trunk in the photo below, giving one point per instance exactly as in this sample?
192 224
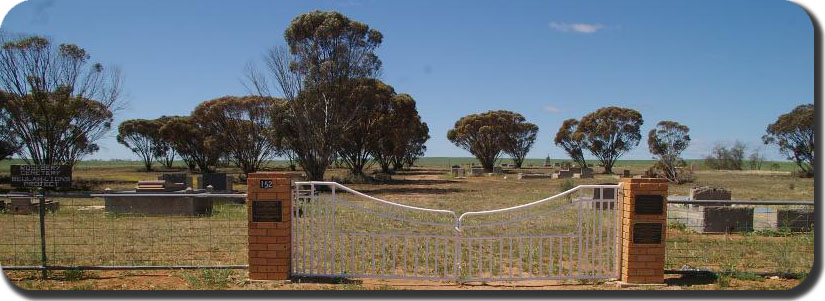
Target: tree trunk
518 162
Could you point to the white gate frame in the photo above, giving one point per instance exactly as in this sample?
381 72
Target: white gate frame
321 261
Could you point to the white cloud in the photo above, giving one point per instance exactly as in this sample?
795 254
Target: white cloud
585 28
551 109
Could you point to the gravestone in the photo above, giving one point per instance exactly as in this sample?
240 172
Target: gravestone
709 193
220 182
609 194
727 219
795 220
183 205
177 178
523 176
458 172
562 174
28 205
476 171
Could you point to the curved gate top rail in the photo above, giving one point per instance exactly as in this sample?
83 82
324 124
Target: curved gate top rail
458 218
353 191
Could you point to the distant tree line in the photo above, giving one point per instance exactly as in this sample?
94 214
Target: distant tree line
333 107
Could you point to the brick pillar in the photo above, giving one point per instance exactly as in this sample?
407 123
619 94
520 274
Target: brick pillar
644 227
269 207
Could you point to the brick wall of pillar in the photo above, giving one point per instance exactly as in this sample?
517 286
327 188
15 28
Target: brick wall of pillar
642 263
270 243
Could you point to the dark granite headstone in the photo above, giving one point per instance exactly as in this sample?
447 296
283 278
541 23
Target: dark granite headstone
796 220
728 219
219 181
174 177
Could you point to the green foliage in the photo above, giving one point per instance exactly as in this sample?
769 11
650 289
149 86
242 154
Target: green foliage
402 136
679 226
566 185
54 100
609 133
725 158
667 141
193 142
142 137
570 141
487 135
361 139
794 133
209 278
248 127
329 57
72 275
520 140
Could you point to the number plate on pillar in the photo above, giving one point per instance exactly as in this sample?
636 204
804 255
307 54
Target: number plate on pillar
266 184
649 204
647 233
266 211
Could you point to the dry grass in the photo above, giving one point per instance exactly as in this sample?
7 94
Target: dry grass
79 234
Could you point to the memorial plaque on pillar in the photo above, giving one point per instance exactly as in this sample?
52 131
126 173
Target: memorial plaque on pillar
649 204
647 233
266 211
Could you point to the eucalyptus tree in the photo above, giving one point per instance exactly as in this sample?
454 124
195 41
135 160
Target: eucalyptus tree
193 142
245 127
570 141
610 132
326 54
142 137
486 135
794 133
667 141
57 103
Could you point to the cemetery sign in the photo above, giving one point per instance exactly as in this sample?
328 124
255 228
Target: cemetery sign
41 176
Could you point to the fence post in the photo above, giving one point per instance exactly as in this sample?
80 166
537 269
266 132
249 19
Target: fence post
644 228
42 212
269 213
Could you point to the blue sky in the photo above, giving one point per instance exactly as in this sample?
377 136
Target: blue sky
724 68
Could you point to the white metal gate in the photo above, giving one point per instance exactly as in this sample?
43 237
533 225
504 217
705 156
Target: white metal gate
339 232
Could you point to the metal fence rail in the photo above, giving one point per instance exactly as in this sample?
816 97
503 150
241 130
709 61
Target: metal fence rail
742 236
81 234
350 230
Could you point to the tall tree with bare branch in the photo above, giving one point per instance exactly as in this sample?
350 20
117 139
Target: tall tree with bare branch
326 52
58 103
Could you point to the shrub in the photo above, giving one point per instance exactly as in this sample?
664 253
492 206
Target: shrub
725 158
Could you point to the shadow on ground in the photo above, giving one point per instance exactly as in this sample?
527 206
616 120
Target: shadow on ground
325 280
690 279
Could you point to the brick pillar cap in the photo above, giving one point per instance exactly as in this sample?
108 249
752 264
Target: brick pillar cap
275 174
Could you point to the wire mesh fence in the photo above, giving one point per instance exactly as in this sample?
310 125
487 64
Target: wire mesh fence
81 232
741 236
